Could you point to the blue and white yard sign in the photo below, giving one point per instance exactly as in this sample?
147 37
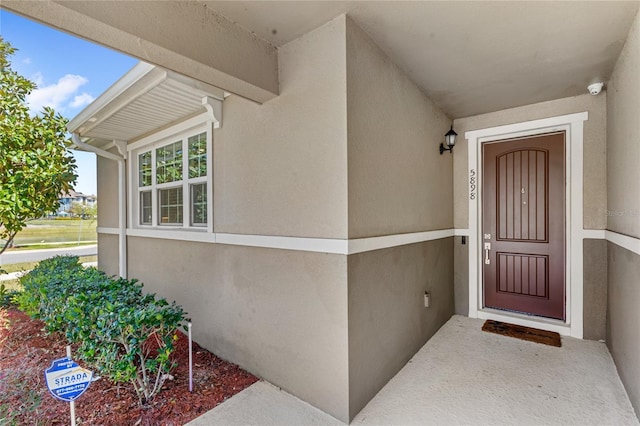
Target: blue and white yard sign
66 380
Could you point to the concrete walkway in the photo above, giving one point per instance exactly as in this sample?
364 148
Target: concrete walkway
20 256
464 376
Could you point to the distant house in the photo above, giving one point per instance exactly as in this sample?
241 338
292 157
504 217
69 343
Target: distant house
70 197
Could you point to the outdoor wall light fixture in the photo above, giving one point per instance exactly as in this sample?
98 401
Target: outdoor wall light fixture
450 140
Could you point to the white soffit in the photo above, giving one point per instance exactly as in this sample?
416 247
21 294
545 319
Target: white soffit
143 100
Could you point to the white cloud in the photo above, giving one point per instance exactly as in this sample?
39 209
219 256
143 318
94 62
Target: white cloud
55 95
26 61
81 100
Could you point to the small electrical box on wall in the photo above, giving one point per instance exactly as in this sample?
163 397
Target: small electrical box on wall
427 299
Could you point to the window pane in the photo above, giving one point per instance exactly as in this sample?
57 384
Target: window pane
144 169
199 204
169 163
170 202
145 208
198 155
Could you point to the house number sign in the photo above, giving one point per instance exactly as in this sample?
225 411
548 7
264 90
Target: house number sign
472 184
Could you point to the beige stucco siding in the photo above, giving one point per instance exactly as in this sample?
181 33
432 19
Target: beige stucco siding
623 318
278 313
594 156
623 175
108 253
461 276
623 149
594 289
198 42
398 182
388 322
280 168
107 187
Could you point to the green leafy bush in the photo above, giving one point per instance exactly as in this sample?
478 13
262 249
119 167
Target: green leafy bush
7 296
124 334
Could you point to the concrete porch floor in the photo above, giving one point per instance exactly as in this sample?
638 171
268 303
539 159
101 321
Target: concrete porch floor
464 376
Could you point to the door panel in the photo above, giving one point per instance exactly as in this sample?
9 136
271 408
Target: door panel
524 225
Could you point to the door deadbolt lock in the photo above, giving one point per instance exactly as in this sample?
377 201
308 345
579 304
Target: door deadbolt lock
487 236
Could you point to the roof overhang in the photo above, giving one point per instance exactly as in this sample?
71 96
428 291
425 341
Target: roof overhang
145 99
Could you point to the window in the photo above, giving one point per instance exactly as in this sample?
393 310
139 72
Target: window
171 206
172 185
169 163
144 164
199 203
145 208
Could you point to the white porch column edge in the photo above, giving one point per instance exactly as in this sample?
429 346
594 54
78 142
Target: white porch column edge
122 197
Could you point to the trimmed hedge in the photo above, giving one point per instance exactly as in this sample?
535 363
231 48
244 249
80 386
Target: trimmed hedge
125 334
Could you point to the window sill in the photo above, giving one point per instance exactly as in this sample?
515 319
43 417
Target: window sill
173 233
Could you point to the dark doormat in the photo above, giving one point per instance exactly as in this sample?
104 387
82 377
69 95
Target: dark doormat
550 338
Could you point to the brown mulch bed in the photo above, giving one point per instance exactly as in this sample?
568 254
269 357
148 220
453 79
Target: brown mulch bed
26 350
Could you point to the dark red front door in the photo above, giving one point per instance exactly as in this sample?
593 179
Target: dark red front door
524 225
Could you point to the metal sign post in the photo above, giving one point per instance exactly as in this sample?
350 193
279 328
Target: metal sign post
72 404
66 381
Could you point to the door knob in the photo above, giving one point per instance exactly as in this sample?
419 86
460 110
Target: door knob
487 247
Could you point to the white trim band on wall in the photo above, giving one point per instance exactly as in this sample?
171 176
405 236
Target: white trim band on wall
338 246
319 245
624 241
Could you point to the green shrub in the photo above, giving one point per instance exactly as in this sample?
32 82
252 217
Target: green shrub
45 284
7 296
124 334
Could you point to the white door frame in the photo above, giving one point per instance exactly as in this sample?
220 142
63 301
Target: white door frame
572 125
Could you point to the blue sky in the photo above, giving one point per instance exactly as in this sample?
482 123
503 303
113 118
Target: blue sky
70 73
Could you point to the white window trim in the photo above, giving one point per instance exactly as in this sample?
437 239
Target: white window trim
182 131
573 125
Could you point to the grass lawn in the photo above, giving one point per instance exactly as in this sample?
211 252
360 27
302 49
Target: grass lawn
44 231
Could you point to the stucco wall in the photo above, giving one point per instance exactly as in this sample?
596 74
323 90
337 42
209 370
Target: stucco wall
388 322
398 181
623 318
461 276
595 289
623 149
280 314
623 175
107 187
200 43
595 151
108 253
281 168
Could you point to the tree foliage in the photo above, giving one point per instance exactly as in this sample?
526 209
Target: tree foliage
84 211
36 165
